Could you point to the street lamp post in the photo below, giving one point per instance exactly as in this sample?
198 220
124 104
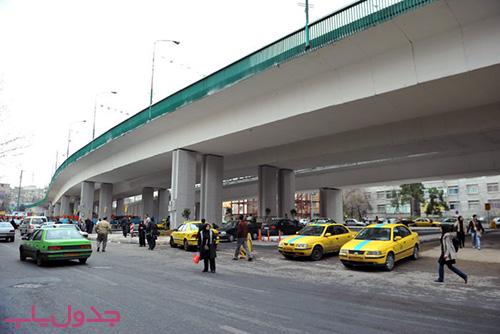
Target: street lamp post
95 111
69 135
153 71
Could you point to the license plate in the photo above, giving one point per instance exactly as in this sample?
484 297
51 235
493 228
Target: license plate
289 249
71 254
355 257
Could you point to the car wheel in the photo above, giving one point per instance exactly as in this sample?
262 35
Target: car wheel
231 238
389 262
317 253
82 261
172 242
415 253
39 260
186 245
22 257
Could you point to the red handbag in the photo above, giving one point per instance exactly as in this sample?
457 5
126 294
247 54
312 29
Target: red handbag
196 259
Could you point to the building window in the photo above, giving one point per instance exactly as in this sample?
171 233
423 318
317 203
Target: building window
472 189
495 203
454 205
381 209
473 205
453 190
368 196
380 194
492 187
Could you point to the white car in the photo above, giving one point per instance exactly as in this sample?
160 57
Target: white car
31 223
353 222
7 231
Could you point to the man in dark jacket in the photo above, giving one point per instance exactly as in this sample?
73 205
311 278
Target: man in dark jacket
88 226
476 230
151 233
242 235
125 226
142 234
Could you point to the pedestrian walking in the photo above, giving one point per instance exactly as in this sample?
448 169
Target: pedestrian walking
88 226
207 246
103 228
460 228
125 225
142 234
476 230
151 234
448 254
242 235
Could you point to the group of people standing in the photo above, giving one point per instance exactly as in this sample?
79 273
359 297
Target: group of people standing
452 239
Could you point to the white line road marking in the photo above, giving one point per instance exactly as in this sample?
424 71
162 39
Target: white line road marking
233 330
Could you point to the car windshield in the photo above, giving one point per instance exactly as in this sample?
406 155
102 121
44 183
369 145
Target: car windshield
383 234
195 227
312 230
63 233
2 224
37 221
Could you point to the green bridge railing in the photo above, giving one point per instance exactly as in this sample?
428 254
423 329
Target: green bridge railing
357 17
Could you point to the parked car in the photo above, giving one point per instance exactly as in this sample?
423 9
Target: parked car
380 245
7 232
426 222
30 224
187 235
353 222
286 226
55 244
227 232
449 220
315 240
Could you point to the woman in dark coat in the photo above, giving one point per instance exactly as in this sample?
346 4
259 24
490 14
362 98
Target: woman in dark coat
207 246
142 234
448 254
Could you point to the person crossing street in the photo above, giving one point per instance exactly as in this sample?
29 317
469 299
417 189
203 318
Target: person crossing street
242 235
103 228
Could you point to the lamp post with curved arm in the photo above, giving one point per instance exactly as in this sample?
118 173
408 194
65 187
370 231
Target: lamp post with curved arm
69 135
153 71
95 109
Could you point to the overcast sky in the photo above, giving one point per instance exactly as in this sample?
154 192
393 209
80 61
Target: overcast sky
59 57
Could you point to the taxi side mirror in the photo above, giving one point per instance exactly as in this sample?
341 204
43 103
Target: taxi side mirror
397 238
328 234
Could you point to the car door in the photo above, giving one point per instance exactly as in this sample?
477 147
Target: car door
177 235
330 241
398 243
343 236
408 243
32 243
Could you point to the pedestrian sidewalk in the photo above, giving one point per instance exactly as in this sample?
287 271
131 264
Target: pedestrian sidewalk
120 239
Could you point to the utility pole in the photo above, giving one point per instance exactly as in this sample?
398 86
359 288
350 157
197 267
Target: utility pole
19 190
307 25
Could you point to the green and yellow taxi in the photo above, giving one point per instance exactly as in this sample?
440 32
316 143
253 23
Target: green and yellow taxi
186 235
55 244
315 240
380 245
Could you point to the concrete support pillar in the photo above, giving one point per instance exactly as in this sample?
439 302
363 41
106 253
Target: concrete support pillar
50 210
156 210
183 181
330 204
57 209
268 190
105 200
65 208
147 201
286 192
87 200
120 207
212 170
163 200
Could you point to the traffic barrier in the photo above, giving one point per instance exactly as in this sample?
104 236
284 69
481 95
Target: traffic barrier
279 236
259 237
268 236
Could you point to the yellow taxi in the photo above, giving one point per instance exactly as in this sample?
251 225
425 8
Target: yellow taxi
314 240
426 222
187 235
380 245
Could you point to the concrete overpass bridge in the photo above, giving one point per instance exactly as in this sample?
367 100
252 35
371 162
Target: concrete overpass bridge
389 90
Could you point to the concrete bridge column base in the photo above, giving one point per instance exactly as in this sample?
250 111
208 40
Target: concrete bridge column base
268 190
163 200
331 204
57 209
87 200
120 207
183 181
65 209
286 192
212 168
105 200
147 202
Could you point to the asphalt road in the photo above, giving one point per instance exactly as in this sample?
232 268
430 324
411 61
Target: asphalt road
162 291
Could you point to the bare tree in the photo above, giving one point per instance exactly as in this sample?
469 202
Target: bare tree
355 203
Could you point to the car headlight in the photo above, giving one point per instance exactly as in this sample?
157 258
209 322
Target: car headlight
222 233
301 246
343 252
281 244
373 253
